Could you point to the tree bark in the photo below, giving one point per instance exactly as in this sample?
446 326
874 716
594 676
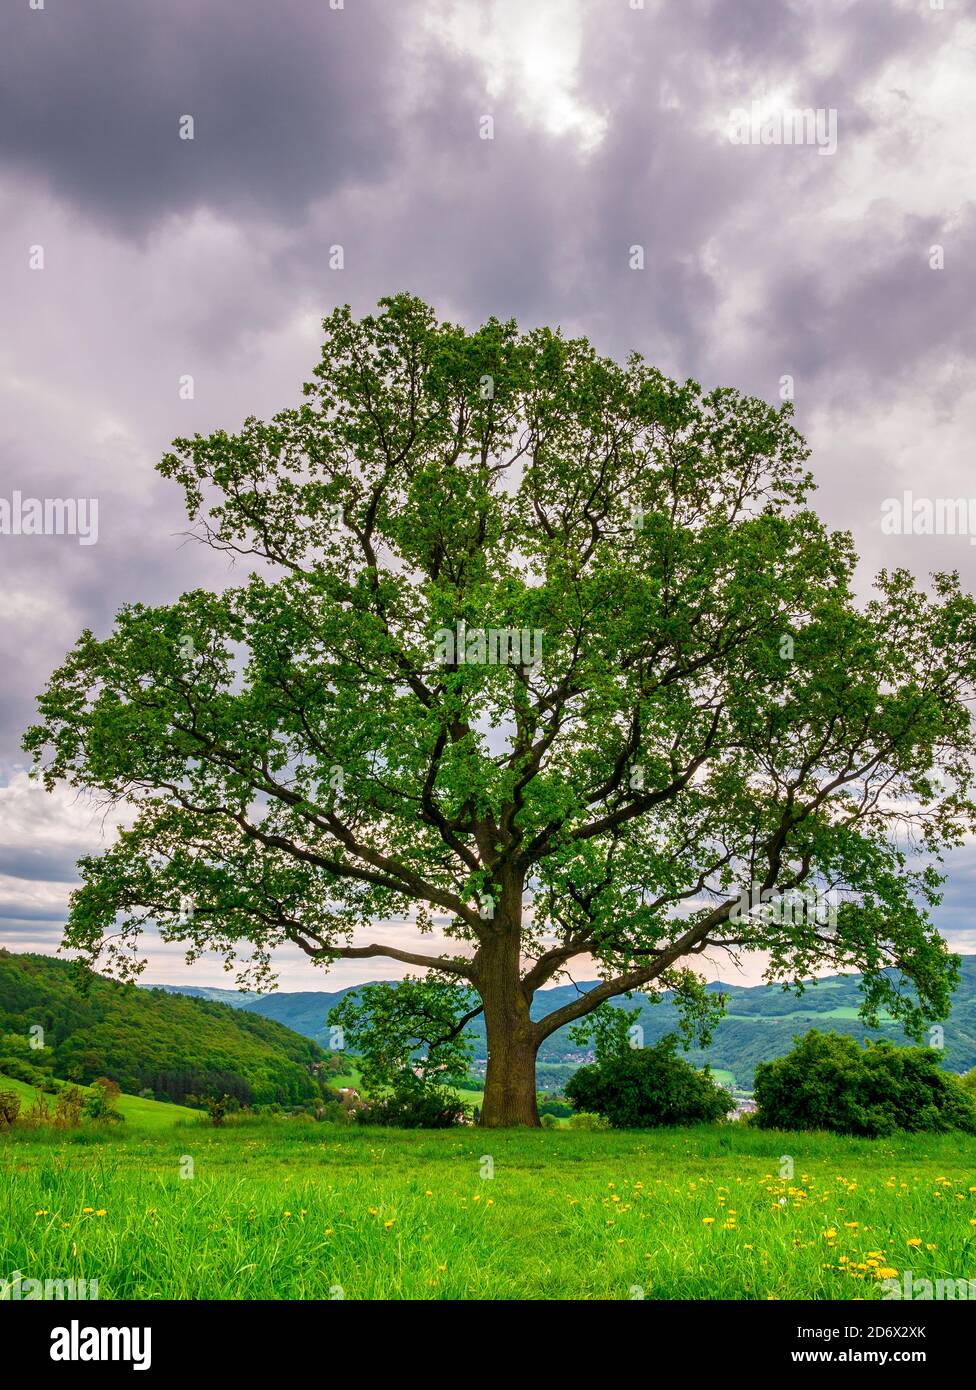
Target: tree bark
510 1096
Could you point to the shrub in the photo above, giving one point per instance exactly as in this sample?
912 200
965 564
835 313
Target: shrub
646 1087
99 1104
828 1082
68 1107
585 1119
549 1121
37 1113
333 1112
422 1110
217 1110
9 1108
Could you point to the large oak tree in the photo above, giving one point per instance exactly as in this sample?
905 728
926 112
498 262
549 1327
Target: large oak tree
310 754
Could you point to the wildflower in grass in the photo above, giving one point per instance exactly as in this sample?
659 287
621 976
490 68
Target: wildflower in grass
87 1211
428 1193
931 1247
101 1212
330 1230
831 1233
915 1242
374 1211
388 1225
708 1220
886 1272
42 1212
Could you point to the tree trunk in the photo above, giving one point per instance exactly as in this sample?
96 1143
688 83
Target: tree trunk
510 1080
512 1043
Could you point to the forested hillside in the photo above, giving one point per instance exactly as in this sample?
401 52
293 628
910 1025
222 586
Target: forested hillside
147 1039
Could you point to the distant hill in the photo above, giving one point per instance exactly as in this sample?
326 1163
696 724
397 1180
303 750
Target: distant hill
760 1021
164 1041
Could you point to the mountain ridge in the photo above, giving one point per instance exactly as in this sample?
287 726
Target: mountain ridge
759 1023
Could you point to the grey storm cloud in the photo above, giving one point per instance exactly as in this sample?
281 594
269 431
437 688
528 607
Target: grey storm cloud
289 102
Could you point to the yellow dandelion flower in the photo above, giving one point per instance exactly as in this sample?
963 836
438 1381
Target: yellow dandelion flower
915 1242
708 1220
388 1225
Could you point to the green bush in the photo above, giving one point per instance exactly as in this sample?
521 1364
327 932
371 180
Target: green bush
588 1120
68 1107
9 1108
99 1103
420 1110
828 1082
644 1088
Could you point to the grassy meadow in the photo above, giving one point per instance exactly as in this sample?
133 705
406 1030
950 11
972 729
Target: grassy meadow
285 1209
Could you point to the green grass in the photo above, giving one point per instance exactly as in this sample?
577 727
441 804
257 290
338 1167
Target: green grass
287 1209
139 1114
723 1077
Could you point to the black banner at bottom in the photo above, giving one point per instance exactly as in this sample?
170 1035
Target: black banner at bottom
166 1338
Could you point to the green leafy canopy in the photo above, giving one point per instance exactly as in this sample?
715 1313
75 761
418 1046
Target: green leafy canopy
713 708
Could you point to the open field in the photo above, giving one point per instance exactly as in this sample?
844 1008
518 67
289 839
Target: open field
286 1209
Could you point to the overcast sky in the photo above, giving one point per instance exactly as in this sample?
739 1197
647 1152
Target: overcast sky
131 257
